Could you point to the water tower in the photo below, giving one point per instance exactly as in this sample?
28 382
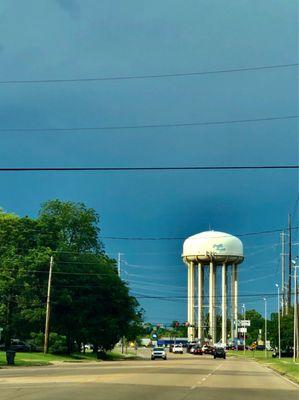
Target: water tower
208 255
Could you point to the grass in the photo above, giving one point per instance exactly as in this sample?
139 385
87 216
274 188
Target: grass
39 359
284 366
30 359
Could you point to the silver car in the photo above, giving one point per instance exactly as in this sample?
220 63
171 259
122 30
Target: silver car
158 352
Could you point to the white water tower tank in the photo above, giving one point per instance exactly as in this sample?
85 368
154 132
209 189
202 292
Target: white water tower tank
213 245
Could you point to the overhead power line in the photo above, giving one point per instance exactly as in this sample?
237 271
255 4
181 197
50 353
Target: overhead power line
166 168
148 76
183 238
149 126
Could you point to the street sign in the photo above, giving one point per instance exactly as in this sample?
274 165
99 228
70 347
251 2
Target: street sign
242 330
244 322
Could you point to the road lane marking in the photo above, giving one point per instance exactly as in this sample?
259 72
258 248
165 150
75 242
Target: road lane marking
205 378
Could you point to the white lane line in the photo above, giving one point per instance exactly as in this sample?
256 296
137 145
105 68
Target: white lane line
205 378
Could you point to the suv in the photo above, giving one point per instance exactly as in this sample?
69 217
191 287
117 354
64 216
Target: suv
219 352
158 352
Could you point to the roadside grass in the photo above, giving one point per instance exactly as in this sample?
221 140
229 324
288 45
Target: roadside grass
31 359
39 359
284 366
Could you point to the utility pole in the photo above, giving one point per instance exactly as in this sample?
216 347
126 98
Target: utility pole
46 342
295 314
290 262
265 300
278 321
283 274
119 274
244 333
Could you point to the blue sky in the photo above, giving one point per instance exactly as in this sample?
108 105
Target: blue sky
66 39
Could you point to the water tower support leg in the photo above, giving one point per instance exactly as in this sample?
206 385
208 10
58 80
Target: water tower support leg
235 298
191 300
212 292
224 303
200 301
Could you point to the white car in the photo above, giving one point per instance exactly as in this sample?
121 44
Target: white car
178 349
158 352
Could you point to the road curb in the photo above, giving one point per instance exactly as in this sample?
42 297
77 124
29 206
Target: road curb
280 374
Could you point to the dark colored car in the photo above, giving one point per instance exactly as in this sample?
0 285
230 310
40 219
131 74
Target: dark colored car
284 353
219 352
19 345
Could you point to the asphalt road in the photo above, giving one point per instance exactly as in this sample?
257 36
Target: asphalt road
184 377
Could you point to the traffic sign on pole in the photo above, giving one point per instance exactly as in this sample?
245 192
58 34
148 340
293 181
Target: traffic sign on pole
244 322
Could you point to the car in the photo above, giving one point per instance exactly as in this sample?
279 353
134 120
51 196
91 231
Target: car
208 349
158 352
197 350
190 346
288 352
178 349
88 346
19 345
219 352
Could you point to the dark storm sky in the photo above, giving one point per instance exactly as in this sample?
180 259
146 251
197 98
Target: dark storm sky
67 39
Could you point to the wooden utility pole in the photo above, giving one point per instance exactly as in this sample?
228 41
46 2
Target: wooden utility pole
290 263
283 285
46 343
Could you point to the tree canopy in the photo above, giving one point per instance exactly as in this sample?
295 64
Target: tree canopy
89 302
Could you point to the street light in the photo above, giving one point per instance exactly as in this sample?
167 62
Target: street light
265 300
278 316
244 335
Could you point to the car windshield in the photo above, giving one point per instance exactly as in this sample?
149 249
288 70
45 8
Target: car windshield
158 349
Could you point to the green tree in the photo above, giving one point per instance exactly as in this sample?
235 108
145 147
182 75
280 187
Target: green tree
89 301
286 329
257 324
